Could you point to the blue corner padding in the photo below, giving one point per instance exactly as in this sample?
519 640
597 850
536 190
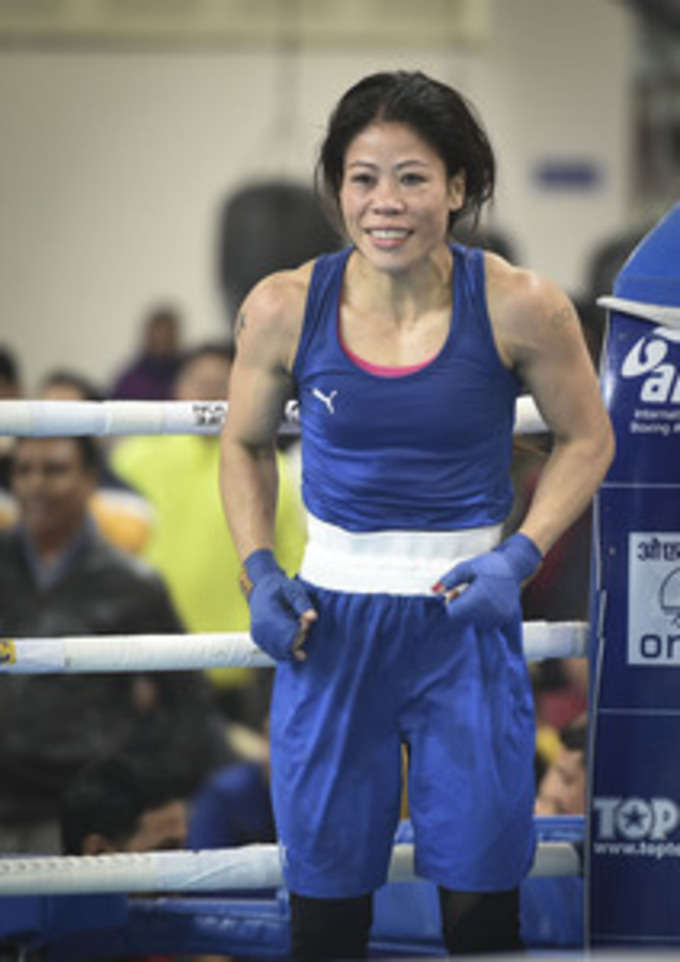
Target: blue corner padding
22 917
652 273
30 916
186 925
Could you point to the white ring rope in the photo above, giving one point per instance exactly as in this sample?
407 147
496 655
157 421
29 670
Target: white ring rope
70 418
67 418
245 867
103 653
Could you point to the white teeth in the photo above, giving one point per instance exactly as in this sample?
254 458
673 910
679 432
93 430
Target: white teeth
389 234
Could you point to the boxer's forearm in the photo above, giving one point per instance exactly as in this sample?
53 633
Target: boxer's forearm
566 487
248 487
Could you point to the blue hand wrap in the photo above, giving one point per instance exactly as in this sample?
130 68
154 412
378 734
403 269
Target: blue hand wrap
494 582
276 602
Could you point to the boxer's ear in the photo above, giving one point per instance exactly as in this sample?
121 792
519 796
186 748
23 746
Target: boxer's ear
457 188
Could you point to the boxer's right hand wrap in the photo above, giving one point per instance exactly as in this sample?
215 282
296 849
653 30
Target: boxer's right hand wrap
276 603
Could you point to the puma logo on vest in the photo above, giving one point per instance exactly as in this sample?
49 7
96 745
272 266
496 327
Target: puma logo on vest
326 399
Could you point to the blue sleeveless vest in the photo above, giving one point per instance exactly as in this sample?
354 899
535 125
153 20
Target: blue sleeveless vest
424 451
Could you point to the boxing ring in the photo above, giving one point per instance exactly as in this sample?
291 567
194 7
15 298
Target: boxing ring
58 890
66 904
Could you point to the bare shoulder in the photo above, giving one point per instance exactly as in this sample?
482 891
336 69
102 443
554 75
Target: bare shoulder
278 295
527 311
270 319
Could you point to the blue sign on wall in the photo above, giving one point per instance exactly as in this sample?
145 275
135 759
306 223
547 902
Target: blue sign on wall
567 174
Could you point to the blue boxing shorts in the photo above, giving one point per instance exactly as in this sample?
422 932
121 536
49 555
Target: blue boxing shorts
383 670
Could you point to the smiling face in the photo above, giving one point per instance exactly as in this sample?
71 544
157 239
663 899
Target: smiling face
396 196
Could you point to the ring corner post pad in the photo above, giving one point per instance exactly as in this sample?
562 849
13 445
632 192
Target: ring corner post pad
633 818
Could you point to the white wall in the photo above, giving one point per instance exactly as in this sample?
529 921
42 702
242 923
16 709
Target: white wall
113 165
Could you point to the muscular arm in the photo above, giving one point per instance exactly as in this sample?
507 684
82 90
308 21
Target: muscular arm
259 386
540 335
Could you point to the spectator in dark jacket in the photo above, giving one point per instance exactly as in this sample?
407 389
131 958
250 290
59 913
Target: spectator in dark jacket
59 578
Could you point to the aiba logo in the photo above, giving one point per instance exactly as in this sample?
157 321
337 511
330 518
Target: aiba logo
635 818
648 358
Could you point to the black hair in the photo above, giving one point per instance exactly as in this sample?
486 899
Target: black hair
163 312
62 375
438 113
89 452
574 736
108 797
88 447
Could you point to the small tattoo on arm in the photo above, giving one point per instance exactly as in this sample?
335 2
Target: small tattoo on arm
240 323
561 317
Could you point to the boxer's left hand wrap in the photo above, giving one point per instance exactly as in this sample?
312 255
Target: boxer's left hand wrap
494 582
276 603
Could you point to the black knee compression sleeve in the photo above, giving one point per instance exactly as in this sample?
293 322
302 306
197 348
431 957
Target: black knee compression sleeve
325 929
476 922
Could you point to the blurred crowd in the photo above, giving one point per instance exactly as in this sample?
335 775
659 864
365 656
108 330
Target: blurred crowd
124 536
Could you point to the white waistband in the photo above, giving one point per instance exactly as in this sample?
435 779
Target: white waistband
387 562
